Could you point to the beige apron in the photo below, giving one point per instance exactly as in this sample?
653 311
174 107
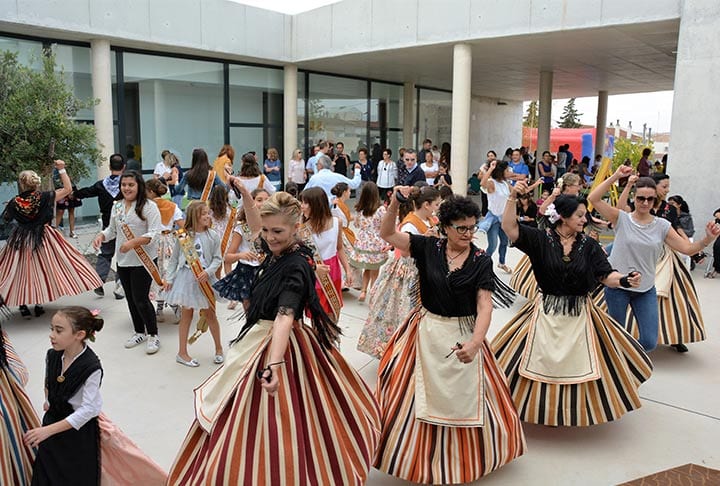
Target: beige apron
664 273
213 394
447 392
560 349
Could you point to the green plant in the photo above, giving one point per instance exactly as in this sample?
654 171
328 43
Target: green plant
627 149
531 115
570 117
36 106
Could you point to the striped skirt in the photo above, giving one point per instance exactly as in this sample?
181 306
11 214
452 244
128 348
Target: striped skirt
623 366
55 270
321 427
18 416
523 280
431 454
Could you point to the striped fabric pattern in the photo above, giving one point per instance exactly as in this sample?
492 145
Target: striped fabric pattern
18 416
57 269
523 280
320 428
432 454
623 367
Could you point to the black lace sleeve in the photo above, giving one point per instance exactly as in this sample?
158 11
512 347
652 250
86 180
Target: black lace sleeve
290 301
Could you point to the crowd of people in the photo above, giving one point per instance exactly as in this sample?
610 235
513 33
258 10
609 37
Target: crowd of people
449 403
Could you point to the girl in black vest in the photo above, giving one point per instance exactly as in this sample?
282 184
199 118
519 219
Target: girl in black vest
69 441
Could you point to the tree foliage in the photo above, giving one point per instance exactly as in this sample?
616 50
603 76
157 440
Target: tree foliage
36 106
627 149
531 115
570 117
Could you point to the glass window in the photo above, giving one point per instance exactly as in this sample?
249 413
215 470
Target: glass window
386 115
435 116
247 139
75 64
301 115
249 85
338 111
174 104
28 52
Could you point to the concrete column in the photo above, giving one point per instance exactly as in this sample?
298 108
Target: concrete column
544 112
601 123
290 141
695 104
460 134
408 116
102 91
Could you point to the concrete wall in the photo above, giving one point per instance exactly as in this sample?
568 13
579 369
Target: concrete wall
354 26
695 129
493 127
217 27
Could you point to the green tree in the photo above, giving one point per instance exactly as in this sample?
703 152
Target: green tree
36 107
570 117
531 115
627 149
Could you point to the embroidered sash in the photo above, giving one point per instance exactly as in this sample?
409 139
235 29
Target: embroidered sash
349 234
187 245
208 186
414 220
228 230
139 251
326 284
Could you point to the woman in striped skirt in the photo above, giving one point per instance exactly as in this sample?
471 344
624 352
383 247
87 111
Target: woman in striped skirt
17 416
568 363
285 408
447 414
38 265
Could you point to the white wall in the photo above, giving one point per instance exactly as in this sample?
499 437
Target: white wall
493 127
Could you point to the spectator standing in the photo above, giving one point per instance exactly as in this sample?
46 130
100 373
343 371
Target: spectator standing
366 166
296 170
562 162
430 168
546 173
272 168
520 170
386 175
326 179
426 147
341 161
413 172
223 165
643 167
163 168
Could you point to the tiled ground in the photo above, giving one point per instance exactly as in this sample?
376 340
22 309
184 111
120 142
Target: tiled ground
150 397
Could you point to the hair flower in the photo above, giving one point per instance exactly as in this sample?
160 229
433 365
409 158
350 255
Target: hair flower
552 214
95 312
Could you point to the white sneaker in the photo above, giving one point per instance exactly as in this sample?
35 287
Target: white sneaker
159 316
134 340
153 345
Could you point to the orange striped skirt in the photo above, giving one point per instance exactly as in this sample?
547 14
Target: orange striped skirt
18 416
321 427
623 366
432 454
523 280
55 270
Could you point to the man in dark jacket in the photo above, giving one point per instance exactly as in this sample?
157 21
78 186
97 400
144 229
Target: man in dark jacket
414 172
106 191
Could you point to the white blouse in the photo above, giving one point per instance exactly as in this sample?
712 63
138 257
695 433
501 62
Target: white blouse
87 402
149 228
326 242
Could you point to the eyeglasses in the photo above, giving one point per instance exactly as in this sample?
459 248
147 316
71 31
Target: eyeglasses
643 199
464 229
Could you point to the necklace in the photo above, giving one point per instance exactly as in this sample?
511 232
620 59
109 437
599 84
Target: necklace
566 258
452 259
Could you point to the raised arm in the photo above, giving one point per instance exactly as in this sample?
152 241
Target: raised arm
509 221
252 213
683 245
624 197
66 189
388 229
486 182
607 211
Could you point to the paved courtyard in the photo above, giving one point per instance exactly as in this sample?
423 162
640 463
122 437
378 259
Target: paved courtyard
151 397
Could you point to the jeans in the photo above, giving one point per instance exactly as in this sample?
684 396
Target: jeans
495 232
136 282
107 251
644 307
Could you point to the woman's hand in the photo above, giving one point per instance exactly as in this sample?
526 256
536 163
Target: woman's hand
59 164
98 240
519 188
348 279
322 270
270 387
403 190
633 179
492 166
126 247
34 437
468 351
712 230
634 279
248 256
203 277
623 171
167 286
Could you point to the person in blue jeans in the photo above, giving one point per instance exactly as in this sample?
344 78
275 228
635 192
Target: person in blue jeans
496 183
639 241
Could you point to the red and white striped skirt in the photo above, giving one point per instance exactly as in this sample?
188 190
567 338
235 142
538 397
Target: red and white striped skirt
321 427
432 454
55 270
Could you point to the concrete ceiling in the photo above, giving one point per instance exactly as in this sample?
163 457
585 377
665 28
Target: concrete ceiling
620 59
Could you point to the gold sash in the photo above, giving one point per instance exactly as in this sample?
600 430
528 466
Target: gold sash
139 251
326 284
187 245
228 230
560 349
447 392
208 186
349 234
414 220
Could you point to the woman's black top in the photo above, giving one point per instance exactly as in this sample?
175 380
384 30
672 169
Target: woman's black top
32 210
531 212
445 293
587 264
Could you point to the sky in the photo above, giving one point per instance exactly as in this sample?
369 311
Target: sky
655 109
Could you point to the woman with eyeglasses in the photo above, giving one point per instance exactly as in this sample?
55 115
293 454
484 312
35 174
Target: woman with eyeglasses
640 239
447 415
568 363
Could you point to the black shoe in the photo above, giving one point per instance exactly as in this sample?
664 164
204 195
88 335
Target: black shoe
99 292
680 348
39 310
25 312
